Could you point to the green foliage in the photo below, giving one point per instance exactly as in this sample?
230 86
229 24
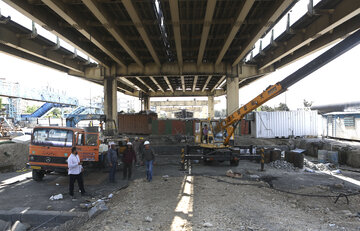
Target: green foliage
282 107
307 104
31 109
221 113
56 113
0 103
266 108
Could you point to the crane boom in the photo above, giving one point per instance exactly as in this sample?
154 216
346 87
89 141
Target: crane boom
229 123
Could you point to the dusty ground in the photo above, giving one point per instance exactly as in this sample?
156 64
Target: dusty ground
210 198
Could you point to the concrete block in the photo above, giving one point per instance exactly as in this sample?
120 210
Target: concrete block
97 209
353 159
5 225
18 226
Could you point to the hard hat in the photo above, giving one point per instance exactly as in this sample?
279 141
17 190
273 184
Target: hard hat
136 138
112 143
129 143
146 142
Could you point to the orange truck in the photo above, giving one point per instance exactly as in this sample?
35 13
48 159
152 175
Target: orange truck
51 146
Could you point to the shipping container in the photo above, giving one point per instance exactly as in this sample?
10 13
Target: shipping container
135 123
173 127
285 124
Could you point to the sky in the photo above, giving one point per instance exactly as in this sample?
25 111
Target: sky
336 82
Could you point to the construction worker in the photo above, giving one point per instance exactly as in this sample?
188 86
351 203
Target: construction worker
205 133
75 170
113 161
148 156
128 159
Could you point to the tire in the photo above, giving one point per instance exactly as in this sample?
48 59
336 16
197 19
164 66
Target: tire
37 175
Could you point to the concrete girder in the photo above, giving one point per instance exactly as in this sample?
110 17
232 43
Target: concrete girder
325 40
140 27
210 7
156 83
181 103
344 11
14 40
206 83
127 83
32 58
250 71
180 93
274 14
46 20
145 84
218 83
168 83
172 69
134 81
174 11
183 83
105 19
194 83
80 25
237 24
125 87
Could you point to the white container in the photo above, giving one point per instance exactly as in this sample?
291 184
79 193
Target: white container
284 124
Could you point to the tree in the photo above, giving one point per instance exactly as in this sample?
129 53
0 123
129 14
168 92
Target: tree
266 108
282 107
31 109
56 113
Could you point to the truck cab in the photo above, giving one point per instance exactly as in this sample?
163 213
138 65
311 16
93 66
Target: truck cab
51 146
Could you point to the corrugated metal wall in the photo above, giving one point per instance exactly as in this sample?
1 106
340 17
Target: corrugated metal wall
285 124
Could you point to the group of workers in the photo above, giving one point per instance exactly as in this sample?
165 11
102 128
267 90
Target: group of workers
139 153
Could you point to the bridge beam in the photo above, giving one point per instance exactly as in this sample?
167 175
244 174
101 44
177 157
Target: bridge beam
180 93
174 11
346 10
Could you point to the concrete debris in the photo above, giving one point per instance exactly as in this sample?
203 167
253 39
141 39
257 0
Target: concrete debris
230 173
165 177
319 166
97 209
18 226
85 205
148 219
207 225
5 225
49 207
308 170
256 177
56 197
339 186
282 164
110 195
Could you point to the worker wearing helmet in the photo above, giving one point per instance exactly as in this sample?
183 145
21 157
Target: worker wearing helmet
148 156
128 158
112 157
137 143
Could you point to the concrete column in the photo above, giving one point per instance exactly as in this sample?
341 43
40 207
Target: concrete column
232 94
110 102
211 111
146 103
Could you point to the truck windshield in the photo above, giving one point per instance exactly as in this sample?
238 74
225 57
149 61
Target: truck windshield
52 137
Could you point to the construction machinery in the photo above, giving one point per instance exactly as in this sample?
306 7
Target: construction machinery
217 145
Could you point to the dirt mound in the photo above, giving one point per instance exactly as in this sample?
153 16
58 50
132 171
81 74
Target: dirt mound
13 156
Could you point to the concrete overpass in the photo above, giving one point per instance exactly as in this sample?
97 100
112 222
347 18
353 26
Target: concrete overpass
173 47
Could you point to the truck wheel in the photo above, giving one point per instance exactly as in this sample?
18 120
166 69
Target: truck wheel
234 162
37 175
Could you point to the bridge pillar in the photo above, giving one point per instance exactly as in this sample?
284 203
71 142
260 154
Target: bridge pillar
232 94
211 112
146 102
110 102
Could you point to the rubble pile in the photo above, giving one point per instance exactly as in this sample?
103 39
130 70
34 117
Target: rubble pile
319 166
282 164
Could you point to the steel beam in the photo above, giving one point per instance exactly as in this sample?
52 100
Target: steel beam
206 83
146 85
344 11
174 10
194 83
156 83
46 20
218 83
140 27
179 93
181 103
237 24
210 7
106 19
35 48
79 24
168 83
325 40
270 18
183 83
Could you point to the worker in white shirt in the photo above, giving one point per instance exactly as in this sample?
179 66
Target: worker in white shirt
75 172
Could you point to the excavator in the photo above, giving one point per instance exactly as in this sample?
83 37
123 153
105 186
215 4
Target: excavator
217 145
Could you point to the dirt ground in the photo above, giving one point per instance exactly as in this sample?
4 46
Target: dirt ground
13 156
208 200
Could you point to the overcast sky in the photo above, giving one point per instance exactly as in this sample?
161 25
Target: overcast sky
334 83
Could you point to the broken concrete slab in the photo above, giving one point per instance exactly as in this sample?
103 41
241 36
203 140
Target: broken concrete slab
18 226
97 209
4 225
